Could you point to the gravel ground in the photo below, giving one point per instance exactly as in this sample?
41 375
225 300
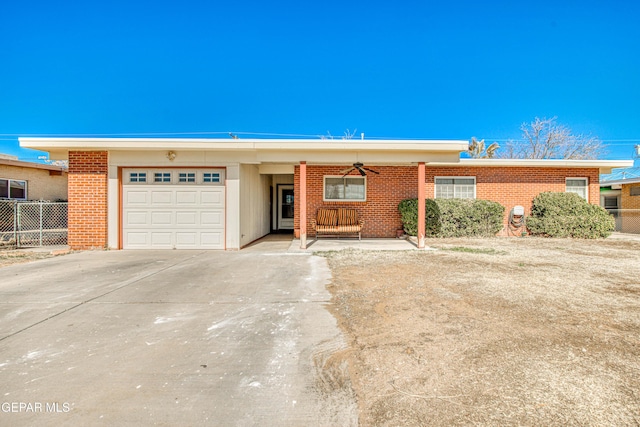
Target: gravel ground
500 331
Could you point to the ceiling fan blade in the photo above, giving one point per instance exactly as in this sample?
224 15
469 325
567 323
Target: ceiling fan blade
363 173
371 170
347 172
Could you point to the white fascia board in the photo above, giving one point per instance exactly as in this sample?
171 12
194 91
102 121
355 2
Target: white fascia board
51 144
548 163
604 166
620 182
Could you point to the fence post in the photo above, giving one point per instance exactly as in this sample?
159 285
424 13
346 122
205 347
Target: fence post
40 203
15 223
18 222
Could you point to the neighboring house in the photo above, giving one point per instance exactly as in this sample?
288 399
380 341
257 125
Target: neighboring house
22 180
620 194
138 193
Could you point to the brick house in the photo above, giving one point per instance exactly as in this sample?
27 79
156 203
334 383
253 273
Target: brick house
138 193
620 194
20 180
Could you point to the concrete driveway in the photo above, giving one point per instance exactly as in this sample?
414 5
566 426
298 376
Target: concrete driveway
171 338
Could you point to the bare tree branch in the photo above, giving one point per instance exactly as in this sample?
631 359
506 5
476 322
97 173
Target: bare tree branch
546 139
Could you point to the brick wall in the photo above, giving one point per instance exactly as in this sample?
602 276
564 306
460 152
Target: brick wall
384 192
88 199
509 186
627 201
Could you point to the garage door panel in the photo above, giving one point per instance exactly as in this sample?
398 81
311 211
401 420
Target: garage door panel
186 240
211 239
186 218
187 197
159 238
137 239
137 198
161 197
212 198
167 216
214 219
137 218
161 218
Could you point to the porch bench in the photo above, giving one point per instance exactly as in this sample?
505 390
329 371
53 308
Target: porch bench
332 222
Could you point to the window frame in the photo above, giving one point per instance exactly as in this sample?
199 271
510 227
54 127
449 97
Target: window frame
586 187
8 195
324 188
435 186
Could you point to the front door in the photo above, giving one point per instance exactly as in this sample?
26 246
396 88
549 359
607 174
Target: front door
285 207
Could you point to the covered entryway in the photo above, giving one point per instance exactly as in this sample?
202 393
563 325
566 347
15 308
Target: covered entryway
173 209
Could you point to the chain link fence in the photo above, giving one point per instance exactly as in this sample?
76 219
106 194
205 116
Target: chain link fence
627 220
24 224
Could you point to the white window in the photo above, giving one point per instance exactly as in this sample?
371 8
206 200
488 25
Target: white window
580 186
162 177
347 188
13 189
450 187
187 177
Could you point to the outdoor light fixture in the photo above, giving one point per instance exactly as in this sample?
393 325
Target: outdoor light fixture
171 155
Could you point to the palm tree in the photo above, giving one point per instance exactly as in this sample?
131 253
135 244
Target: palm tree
477 149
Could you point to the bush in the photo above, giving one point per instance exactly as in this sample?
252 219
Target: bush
568 215
453 217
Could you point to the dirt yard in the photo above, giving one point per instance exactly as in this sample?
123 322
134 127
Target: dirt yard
493 332
10 257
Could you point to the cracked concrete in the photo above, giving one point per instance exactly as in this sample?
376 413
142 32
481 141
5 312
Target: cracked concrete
171 338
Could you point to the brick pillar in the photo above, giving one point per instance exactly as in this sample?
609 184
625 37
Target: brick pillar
88 199
303 205
421 205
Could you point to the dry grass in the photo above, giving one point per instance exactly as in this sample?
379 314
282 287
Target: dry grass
493 332
11 257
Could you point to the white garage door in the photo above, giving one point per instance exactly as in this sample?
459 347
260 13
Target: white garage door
173 209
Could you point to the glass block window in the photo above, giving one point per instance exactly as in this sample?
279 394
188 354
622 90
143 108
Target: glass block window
455 188
345 188
580 186
187 177
162 177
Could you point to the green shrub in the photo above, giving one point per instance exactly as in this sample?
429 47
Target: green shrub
453 217
568 215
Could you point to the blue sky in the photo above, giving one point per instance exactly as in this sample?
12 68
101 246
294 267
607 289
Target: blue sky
414 69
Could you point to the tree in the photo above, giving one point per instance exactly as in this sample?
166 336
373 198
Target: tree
477 149
546 139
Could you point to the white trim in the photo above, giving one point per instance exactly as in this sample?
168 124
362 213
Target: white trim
249 144
324 188
586 180
620 182
548 163
475 183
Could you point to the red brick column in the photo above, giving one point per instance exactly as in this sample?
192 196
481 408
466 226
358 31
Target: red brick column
421 205
88 199
303 205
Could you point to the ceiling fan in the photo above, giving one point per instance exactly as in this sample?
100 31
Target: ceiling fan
360 168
